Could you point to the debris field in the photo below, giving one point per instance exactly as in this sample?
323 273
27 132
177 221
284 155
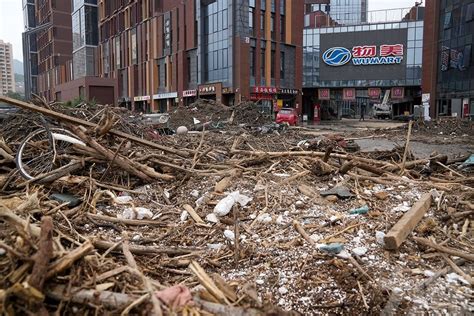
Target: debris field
244 219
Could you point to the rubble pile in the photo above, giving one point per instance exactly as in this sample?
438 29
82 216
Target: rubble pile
446 126
209 114
234 223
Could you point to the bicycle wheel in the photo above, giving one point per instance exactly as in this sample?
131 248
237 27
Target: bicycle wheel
36 156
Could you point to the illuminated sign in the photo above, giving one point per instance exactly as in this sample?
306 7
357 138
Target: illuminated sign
324 94
349 94
364 55
374 93
189 93
267 90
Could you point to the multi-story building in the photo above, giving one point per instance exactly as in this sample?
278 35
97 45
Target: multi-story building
30 50
60 44
348 66
7 76
168 52
448 55
54 44
344 12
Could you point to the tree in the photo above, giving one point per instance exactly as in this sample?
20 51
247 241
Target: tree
15 95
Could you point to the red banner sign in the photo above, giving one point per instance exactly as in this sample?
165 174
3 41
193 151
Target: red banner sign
374 93
324 94
349 94
398 93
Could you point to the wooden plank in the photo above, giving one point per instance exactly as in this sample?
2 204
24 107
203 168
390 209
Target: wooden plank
70 119
399 232
193 213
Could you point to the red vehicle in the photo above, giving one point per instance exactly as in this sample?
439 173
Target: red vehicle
289 116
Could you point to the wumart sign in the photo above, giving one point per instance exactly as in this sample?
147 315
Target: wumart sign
365 55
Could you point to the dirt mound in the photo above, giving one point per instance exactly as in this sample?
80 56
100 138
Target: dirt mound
446 126
249 114
202 110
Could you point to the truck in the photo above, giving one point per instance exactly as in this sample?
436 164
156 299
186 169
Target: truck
384 110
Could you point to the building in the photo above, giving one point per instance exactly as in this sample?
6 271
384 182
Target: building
448 70
165 53
7 76
348 66
341 11
60 44
53 44
30 48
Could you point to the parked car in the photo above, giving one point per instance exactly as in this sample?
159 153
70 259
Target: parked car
289 116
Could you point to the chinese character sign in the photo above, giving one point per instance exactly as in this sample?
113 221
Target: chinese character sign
398 93
349 94
391 50
364 51
324 94
374 93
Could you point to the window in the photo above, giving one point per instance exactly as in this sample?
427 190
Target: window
272 25
466 60
448 19
282 27
282 65
262 22
282 7
272 64
251 18
262 63
470 12
189 68
252 61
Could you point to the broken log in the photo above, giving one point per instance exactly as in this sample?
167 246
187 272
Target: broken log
447 250
44 254
68 260
399 232
109 300
142 250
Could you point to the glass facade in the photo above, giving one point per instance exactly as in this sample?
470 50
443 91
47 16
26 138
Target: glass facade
85 37
345 11
216 37
312 56
455 80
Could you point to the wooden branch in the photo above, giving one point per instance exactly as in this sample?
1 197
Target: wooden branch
303 233
106 299
407 147
130 222
68 260
44 254
399 232
143 172
207 282
188 208
447 250
146 282
457 269
76 121
148 251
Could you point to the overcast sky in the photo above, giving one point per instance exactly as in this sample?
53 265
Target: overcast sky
11 19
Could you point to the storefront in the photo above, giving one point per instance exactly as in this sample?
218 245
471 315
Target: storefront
211 92
228 96
265 98
163 102
189 97
288 98
350 68
125 102
142 104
